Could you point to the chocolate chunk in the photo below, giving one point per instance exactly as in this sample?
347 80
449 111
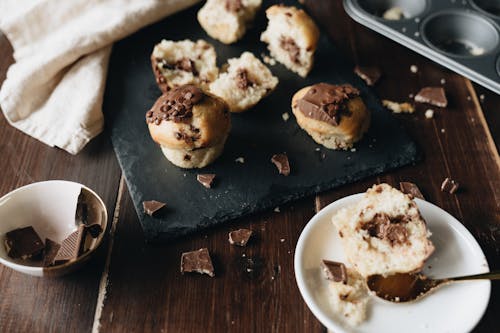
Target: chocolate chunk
395 233
449 185
335 271
206 179
94 230
176 105
50 252
375 227
240 237
23 243
152 206
281 162
411 189
187 65
432 95
234 5
327 102
197 261
389 228
72 246
289 45
242 80
368 74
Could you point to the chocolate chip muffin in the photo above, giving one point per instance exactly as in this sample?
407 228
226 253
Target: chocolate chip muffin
190 125
227 20
333 115
292 38
244 83
384 233
183 62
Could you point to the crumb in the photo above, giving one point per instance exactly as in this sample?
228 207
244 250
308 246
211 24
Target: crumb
268 60
469 98
443 130
240 160
429 113
353 150
443 81
398 107
403 29
243 255
481 97
417 19
475 50
317 149
282 240
277 210
417 34
411 96
429 267
413 68
285 116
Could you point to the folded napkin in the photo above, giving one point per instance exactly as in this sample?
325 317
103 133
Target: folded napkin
54 90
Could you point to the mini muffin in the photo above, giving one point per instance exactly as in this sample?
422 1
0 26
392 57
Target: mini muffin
190 125
349 298
227 20
244 83
384 233
333 115
183 62
292 37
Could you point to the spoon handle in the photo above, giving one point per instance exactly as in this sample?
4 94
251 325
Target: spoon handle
495 275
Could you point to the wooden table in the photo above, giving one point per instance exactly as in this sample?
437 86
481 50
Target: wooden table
131 286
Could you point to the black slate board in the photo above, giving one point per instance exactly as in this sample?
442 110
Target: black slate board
256 135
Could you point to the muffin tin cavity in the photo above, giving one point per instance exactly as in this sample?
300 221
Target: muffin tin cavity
460 33
490 7
393 9
463 35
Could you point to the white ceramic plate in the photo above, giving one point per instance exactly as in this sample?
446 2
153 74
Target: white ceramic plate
453 308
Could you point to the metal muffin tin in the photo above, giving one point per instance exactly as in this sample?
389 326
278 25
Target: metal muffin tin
463 35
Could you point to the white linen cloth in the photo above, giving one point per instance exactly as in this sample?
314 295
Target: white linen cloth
54 90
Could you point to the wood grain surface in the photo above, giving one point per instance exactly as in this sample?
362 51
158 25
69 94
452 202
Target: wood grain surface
134 287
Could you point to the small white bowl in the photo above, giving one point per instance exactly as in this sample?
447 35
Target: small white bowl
49 207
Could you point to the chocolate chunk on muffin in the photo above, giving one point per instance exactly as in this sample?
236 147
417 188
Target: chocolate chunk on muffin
292 38
228 20
244 83
333 115
190 125
183 62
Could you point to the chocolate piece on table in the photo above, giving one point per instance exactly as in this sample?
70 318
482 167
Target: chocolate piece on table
240 237
23 243
432 95
368 74
449 185
50 252
152 206
335 271
411 189
282 163
72 246
197 261
94 230
206 179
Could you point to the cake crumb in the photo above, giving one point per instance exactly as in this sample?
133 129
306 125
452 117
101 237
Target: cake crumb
443 81
353 150
429 113
268 60
413 68
443 130
285 116
277 210
481 98
240 160
282 240
398 107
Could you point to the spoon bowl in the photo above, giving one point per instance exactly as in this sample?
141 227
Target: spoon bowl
408 287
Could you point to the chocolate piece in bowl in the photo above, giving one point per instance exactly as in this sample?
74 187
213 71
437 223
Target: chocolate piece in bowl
72 246
206 179
151 207
240 237
197 261
333 115
50 252
23 243
369 74
282 164
432 95
334 271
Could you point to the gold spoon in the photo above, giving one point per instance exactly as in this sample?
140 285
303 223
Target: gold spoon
407 287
